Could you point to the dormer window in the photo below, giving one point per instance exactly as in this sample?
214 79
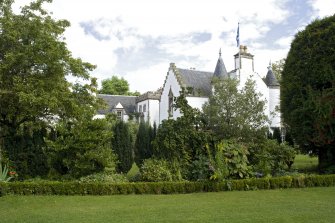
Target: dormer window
119 110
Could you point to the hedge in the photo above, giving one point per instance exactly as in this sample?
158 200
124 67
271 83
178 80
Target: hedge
78 188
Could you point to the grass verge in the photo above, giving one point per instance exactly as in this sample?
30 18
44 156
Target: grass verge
288 205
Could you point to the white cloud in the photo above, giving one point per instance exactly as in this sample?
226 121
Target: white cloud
284 42
323 7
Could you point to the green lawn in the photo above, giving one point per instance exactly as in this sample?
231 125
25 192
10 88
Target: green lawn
305 163
289 205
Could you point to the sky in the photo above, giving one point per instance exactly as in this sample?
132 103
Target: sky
137 40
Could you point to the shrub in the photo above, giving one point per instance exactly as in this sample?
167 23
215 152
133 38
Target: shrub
98 188
154 170
271 158
104 177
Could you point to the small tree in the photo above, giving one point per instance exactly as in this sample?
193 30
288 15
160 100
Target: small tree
123 147
234 113
81 148
143 144
182 140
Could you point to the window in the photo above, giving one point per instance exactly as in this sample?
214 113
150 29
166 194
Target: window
170 109
119 115
140 108
144 108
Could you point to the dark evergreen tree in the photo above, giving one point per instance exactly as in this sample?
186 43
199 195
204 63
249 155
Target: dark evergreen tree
27 153
143 145
122 146
308 90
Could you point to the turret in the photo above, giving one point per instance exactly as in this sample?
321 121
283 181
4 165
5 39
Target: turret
220 69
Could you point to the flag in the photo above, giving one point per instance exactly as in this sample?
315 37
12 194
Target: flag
238 35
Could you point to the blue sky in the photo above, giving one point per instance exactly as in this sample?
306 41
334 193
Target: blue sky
138 39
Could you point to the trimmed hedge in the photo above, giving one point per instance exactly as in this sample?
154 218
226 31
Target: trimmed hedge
78 188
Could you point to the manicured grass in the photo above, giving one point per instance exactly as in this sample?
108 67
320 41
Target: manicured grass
289 205
305 163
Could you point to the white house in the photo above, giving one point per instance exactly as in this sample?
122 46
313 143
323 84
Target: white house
158 106
198 85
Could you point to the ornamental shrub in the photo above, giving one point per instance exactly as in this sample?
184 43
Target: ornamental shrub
155 170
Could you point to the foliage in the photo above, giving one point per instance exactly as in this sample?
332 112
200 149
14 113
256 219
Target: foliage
34 91
99 188
234 156
154 170
104 177
116 86
28 153
200 169
271 158
81 148
308 89
122 144
277 68
234 113
4 173
184 139
143 145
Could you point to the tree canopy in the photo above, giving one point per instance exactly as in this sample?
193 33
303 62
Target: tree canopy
234 113
116 86
308 89
34 91
34 63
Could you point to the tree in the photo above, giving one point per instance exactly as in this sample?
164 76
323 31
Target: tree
277 68
143 144
308 89
81 148
34 63
184 140
234 113
123 147
116 86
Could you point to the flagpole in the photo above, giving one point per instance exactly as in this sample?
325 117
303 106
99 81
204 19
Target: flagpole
239 50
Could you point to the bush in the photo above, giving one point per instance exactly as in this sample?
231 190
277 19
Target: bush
155 170
105 177
271 158
98 188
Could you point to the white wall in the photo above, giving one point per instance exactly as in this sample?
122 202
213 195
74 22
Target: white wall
196 102
152 110
274 102
171 83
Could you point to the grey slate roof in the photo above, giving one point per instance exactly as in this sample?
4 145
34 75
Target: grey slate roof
200 81
220 69
128 103
271 79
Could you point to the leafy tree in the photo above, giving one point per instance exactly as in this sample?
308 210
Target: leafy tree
34 63
277 68
81 148
183 140
123 147
234 113
308 89
116 86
